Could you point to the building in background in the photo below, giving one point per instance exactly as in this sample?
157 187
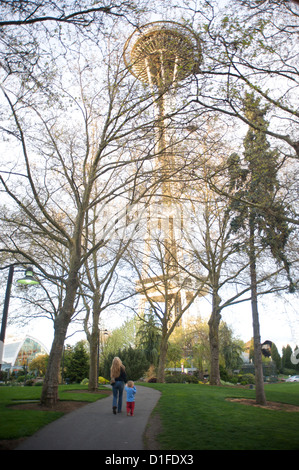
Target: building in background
19 352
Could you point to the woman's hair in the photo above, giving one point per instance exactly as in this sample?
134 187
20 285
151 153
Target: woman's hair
115 368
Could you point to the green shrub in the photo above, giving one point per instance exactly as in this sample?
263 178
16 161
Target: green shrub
224 374
243 378
286 371
171 379
179 377
29 383
103 381
192 379
247 379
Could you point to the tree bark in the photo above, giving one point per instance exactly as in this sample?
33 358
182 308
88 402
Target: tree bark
94 358
214 322
162 359
258 364
49 396
94 350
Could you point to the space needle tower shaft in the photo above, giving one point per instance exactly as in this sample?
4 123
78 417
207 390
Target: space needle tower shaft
161 54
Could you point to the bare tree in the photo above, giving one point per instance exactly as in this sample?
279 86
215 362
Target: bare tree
251 52
29 12
164 288
100 284
51 189
215 252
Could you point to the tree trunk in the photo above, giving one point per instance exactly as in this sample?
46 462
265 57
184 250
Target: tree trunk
162 360
94 352
214 322
94 362
49 396
258 364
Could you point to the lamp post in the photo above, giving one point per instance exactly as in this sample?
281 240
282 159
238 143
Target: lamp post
27 280
100 339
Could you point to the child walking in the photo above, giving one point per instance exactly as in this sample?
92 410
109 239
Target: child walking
131 391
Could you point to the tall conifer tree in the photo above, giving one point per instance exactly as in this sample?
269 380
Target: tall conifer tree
261 215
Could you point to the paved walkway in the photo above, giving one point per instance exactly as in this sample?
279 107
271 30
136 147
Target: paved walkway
95 427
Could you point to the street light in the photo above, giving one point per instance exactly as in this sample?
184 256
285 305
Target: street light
27 280
100 339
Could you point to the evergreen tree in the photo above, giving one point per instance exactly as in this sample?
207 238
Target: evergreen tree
77 363
261 215
286 357
148 338
134 361
276 356
295 353
230 348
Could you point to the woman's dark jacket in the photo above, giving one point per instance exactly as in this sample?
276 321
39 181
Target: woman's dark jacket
122 376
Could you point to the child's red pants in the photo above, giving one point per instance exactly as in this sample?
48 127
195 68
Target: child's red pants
130 407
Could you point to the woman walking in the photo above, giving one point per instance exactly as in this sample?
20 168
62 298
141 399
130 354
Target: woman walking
118 380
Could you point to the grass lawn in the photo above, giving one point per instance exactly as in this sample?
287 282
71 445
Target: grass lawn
194 417
198 417
15 423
